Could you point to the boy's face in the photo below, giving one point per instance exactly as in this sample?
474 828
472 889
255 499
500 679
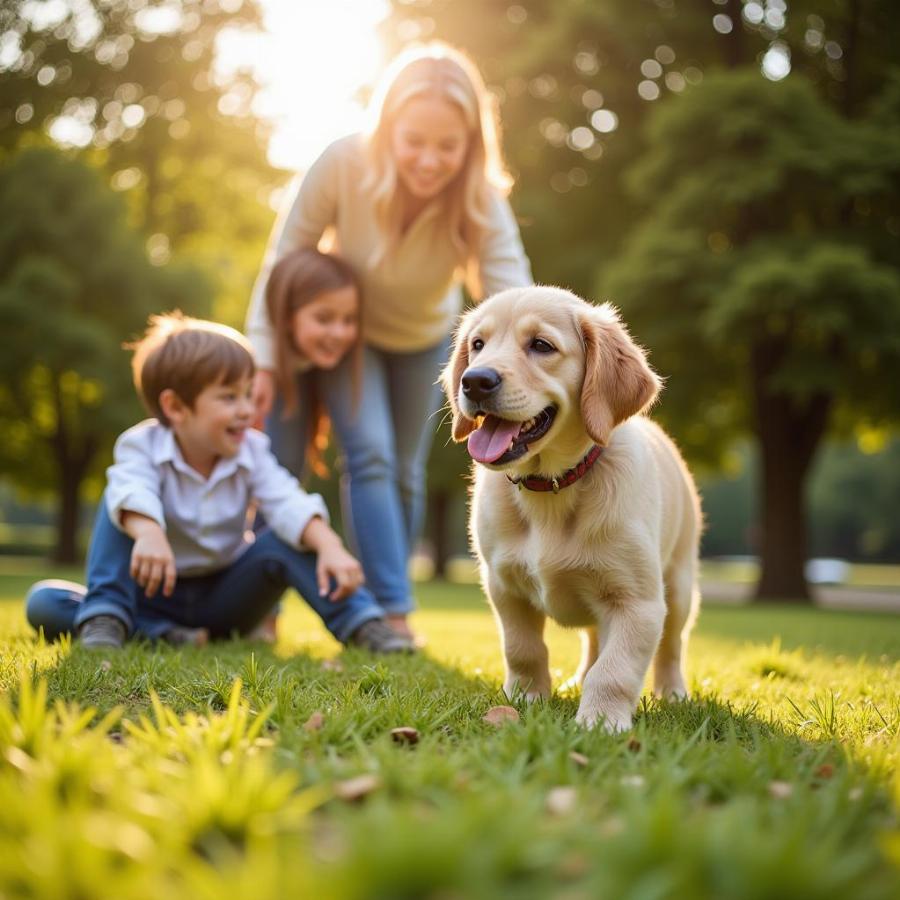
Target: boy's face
216 425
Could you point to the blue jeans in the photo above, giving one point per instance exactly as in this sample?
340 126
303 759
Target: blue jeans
385 442
231 600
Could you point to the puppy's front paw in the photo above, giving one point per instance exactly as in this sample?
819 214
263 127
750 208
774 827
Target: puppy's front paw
514 687
613 720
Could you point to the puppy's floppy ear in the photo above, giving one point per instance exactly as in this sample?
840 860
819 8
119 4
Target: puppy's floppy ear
618 383
450 379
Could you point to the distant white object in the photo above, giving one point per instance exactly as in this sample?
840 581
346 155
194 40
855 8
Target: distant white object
827 571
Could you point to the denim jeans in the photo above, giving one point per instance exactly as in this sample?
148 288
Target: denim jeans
385 441
231 600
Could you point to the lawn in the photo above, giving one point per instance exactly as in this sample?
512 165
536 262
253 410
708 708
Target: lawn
232 771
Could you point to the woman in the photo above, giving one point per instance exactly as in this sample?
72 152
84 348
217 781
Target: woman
416 205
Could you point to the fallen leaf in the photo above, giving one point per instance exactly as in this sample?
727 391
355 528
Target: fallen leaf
578 758
405 735
561 800
500 715
357 788
314 722
780 790
332 665
826 770
634 745
574 865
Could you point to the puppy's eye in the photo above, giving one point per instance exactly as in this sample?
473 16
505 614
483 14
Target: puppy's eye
477 344
539 345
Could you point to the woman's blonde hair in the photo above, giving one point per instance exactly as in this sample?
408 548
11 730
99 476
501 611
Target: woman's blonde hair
437 70
297 279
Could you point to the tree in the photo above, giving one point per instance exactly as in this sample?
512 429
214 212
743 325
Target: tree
765 248
578 81
75 282
134 83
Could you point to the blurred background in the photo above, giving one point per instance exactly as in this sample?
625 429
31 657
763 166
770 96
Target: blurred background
726 172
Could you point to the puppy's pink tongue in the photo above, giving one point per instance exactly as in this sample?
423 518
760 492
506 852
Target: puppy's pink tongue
491 441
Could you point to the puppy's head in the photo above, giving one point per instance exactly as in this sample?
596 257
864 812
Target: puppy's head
536 368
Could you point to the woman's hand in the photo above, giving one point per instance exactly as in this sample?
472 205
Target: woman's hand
263 395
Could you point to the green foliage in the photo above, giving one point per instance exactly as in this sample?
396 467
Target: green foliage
176 137
754 232
75 284
194 772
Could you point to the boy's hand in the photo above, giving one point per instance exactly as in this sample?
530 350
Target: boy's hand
333 561
152 560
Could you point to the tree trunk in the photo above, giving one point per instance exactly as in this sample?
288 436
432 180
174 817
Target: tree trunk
73 458
789 433
735 44
67 517
439 502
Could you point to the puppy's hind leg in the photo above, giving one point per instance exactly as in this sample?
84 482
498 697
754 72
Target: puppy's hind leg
682 600
590 650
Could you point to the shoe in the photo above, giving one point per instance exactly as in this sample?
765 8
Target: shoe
400 624
378 637
266 631
103 631
181 635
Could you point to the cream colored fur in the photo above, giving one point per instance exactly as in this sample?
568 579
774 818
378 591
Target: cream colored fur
615 553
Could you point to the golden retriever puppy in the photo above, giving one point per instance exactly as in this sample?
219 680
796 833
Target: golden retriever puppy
582 509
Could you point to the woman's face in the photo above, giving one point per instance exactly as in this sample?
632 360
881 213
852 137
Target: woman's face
429 141
327 327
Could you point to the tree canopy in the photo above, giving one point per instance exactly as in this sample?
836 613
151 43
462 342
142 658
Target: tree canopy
135 85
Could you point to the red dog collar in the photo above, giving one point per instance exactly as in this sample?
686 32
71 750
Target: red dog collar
555 484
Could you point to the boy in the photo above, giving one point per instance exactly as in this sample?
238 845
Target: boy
171 556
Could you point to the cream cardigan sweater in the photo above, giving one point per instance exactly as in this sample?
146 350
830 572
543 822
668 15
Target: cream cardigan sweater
412 298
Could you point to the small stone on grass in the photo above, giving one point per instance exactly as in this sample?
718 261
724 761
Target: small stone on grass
500 715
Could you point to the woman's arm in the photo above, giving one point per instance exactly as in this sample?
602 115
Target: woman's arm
502 262
310 208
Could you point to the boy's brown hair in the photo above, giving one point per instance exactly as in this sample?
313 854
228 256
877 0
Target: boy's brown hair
299 278
186 355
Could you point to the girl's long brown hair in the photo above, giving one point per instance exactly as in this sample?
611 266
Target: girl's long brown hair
297 279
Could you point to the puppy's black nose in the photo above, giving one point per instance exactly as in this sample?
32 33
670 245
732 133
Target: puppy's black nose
479 384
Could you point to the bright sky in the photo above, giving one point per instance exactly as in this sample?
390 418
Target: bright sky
312 59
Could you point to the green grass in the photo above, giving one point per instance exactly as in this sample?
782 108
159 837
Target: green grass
156 772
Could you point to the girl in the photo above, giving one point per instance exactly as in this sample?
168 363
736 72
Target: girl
313 301
416 205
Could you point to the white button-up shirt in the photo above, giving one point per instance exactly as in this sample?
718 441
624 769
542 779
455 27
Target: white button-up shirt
205 519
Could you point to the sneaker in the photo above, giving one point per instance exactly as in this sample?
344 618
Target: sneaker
378 637
181 635
103 631
267 630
